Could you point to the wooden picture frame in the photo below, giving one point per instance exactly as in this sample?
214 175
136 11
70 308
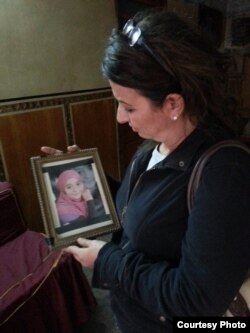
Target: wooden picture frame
65 216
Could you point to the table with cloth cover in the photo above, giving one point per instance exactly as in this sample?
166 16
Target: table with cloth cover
41 290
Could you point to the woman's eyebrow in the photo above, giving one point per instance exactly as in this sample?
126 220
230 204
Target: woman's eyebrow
123 102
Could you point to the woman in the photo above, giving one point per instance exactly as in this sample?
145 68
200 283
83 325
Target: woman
75 202
168 82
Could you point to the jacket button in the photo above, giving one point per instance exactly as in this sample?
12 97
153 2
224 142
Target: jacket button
162 319
181 164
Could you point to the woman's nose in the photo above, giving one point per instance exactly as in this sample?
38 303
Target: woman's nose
122 115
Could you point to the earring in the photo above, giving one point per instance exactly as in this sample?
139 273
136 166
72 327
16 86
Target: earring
175 117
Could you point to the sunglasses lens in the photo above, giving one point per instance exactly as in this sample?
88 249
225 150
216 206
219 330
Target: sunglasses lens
134 36
128 27
133 33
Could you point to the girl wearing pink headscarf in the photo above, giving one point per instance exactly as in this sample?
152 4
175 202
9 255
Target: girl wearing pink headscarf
75 202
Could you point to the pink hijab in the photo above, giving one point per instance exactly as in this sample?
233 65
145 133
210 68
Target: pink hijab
67 208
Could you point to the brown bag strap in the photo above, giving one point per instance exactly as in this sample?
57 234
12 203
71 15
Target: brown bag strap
200 164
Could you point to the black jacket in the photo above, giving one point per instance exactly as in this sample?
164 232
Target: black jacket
169 263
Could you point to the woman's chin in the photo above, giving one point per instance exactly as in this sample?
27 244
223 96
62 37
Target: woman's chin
143 135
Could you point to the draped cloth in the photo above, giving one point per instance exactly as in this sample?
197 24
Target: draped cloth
42 290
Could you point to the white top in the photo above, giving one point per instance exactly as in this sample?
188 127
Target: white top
155 158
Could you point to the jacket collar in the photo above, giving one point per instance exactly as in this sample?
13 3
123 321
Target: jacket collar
182 157
188 152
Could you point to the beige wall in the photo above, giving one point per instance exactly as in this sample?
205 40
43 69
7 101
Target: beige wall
52 46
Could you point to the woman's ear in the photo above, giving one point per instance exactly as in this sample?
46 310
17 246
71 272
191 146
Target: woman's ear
174 105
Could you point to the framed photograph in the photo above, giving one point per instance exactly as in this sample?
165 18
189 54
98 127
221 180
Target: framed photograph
74 196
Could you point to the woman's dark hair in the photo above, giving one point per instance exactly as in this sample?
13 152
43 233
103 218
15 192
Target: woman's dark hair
193 65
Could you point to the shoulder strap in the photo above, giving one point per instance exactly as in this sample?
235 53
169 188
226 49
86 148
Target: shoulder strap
200 164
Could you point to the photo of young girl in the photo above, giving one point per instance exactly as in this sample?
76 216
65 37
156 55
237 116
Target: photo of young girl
75 202
74 196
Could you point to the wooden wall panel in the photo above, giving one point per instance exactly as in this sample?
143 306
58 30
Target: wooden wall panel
94 125
22 133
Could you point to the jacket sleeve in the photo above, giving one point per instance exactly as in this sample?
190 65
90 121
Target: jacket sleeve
215 250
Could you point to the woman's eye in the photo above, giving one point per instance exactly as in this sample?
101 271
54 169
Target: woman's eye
130 110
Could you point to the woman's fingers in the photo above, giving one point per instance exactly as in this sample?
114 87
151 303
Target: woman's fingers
87 251
50 150
73 249
73 148
84 242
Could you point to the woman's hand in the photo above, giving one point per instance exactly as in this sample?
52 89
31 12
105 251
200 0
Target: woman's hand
52 151
88 251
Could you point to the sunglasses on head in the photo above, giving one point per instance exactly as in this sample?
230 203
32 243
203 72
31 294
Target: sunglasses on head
134 36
